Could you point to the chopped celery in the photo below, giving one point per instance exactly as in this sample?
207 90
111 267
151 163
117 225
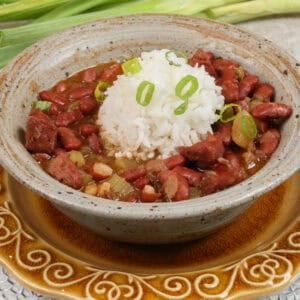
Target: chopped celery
122 163
119 185
77 158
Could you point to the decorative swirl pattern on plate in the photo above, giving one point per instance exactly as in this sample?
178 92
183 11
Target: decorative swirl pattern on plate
270 267
11 231
263 269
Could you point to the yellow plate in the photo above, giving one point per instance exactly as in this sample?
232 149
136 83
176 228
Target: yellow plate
258 254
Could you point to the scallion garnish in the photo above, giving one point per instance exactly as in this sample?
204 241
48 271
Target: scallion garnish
249 126
184 89
179 110
227 113
173 55
145 92
98 92
42 105
131 66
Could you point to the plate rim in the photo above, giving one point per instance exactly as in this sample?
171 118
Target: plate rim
191 279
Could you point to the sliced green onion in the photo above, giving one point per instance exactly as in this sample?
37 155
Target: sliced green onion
186 87
131 66
227 112
179 110
145 92
98 92
178 54
249 126
42 105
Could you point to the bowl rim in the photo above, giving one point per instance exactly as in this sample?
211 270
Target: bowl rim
192 207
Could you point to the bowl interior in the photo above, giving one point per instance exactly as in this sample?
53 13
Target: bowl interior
54 58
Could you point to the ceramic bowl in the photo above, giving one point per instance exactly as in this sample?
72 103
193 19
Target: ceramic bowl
52 59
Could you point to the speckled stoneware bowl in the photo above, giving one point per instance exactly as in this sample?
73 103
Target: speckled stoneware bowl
52 59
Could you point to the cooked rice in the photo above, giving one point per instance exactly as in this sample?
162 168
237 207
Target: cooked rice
133 130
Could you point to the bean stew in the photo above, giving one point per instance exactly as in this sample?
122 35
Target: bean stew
64 138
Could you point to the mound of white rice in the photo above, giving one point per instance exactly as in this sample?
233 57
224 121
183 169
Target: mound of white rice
132 130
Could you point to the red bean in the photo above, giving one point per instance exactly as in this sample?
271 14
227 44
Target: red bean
235 166
269 141
110 73
141 182
55 109
244 104
271 110
247 85
183 191
94 143
61 87
133 174
225 130
221 64
261 125
264 92
87 129
87 105
173 161
69 139
175 186
66 118
193 177
89 75
53 97
82 92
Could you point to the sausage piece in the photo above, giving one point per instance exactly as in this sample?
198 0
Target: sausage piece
205 59
66 118
230 85
41 133
63 169
205 152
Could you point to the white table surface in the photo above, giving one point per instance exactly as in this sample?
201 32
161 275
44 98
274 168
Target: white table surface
284 32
